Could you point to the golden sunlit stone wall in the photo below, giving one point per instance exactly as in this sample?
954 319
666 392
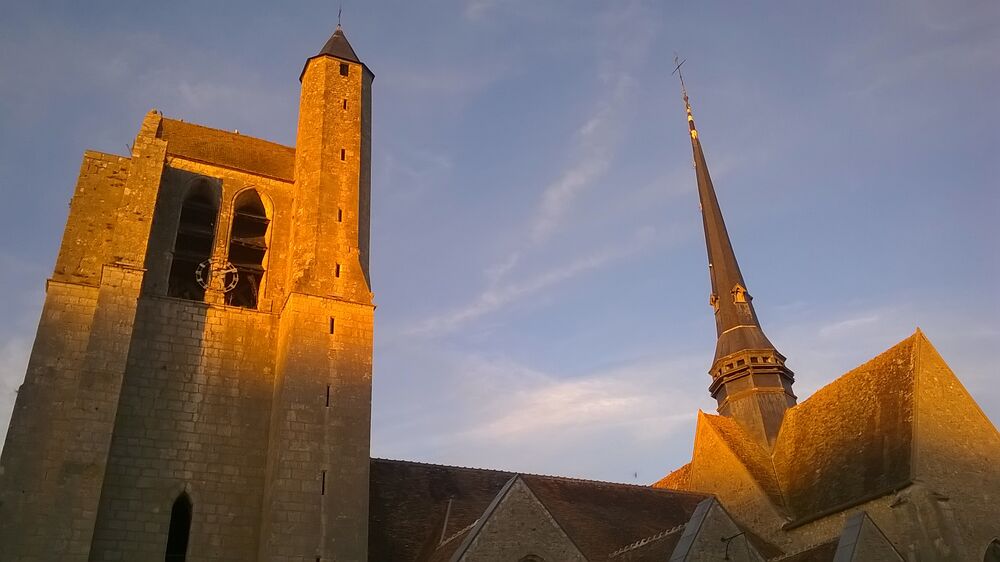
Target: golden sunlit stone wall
277 195
956 458
328 226
316 501
261 416
55 455
195 405
193 418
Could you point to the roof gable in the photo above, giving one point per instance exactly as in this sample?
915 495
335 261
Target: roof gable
603 517
863 540
952 435
515 525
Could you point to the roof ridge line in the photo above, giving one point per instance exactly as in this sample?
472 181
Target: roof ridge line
551 476
644 541
423 463
192 124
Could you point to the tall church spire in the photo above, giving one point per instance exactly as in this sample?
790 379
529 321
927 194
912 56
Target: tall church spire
749 377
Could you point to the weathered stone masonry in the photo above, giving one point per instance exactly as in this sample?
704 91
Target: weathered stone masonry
259 414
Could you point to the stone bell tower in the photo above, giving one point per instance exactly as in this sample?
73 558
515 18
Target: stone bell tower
322 396
200 383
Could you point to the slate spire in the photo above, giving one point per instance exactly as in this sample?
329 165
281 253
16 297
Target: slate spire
749 377
337 46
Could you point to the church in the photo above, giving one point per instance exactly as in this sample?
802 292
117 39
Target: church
199 389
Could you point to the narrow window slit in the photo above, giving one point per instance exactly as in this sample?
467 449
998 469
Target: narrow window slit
180 528
343 154
322 485
340 215
336 271
327 396
345 103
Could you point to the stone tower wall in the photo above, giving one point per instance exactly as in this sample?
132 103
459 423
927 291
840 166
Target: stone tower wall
261 416
316 501
55 455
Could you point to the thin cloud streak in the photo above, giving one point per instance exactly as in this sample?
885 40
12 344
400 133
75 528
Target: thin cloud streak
495 297
596 141
499 410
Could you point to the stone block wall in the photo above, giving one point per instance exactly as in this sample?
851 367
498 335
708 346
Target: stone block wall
316 502
193 418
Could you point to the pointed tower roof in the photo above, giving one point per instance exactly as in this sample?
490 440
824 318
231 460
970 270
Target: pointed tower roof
749 378
737 325
338 46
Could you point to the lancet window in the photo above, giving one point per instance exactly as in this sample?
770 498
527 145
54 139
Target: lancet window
194 241
180 529
248 248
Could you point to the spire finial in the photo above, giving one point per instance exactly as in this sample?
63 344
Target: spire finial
677 71
340 11
684 91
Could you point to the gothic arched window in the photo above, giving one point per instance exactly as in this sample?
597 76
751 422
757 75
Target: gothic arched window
194 240
180 529
993 552
248 248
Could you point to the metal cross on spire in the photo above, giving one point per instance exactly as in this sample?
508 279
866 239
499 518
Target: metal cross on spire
677 71
340 11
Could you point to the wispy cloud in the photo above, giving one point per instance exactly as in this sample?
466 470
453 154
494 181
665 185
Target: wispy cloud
612 400
848 325
505 414
595 144
497 296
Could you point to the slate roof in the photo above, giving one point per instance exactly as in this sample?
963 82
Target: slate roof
677 480
410 518
409 501
601 517
754 457
338 46
228 149
851 440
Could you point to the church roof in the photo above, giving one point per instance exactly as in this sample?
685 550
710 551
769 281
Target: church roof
756 460
423 512
853 438
409 511
602 517
850 442
228 149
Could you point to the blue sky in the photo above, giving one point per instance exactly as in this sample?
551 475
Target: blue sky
538 259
